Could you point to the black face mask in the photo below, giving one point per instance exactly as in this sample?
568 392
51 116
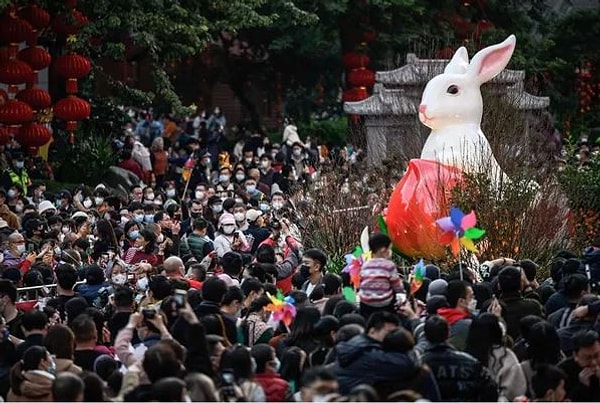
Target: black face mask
195 215
305 271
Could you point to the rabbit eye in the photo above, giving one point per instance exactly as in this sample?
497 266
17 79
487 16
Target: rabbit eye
453 89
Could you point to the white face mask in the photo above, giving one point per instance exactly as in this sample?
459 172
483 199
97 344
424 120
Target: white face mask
217 208
228 229
11 193
264 164
19 164
19 208
240 177
171 192
472 307
98 200
251 189
223 178
65 230
277 205
239 217
200 195
150 196
87 203
142 284
21 248
119 279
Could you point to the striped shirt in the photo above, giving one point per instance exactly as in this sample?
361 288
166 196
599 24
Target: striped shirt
379 280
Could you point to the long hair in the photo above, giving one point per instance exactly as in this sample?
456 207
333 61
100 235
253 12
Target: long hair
543 345
107 233
291 368
303 325
484 335
31 360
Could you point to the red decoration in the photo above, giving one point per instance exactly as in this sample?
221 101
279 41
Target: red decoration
12 28
38 58
3 97
445 53
72 65
69 26
355 94
72 109
33 135
420 198
354 60
361 78
482 26
4 136
6 53
36 16
37 98
369 36
15 112
14 72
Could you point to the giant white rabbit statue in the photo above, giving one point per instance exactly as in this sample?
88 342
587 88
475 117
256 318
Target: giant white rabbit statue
452 107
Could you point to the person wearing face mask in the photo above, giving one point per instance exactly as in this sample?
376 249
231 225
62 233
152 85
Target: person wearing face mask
276 388
239 213
252 191
198 243
459 315
267 173
225 186
32 377
240 176
11 218
16 174
214 210
171 191
230 239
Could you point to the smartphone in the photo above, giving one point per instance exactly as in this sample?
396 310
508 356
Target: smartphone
180 297
400 298
149 313
30 248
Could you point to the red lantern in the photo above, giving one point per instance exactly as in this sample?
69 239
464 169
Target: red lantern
14 72
72 65
33 135
3 97
482 26
36 16
72 109
64 28
4 136
15 112
361 78
355 95
354 60
37 98
6 53
38 58
13 29
369 36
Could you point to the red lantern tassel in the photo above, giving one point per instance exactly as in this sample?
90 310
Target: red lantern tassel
72 86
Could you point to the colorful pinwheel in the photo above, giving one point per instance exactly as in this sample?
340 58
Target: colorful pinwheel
283 308
459 229
416 279
357 258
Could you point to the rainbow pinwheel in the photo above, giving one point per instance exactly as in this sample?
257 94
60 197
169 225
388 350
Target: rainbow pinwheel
283 308
416 280
459 229
357 258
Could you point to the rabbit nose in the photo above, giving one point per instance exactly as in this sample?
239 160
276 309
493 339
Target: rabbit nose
422 108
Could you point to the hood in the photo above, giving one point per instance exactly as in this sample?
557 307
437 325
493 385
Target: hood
349 351
453 315
37 384
66 365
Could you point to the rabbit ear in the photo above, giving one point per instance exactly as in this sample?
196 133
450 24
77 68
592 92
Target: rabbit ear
489 62
459 63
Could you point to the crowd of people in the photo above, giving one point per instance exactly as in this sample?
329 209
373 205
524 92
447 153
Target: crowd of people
169 293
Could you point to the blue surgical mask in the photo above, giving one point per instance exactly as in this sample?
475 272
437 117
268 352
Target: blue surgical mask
223 178
149 218
264 207
134 234
139 218
251 189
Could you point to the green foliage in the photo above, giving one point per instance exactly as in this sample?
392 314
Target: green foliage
329 131
582 185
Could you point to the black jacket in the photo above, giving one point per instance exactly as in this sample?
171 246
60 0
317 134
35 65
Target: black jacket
460 376
576 391
362 360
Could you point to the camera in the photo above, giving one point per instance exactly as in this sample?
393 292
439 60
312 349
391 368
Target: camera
180 298
149 313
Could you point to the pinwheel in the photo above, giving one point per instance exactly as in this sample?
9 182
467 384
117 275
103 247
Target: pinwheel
283 308
459 229
357 258
416 280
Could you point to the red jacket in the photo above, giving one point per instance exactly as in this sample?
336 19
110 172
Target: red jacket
133 167
276 389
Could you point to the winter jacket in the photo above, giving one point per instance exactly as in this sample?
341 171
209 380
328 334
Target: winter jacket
66 365
362 360
35 387
276 388
460 376
576 391
514 308
567 345
504 367
460 323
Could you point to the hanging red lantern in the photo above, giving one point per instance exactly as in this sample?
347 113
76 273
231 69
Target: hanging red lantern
14 30
15 112
355 94
3 97
361 78
72 65
38 58
72 109
482 26
355 60
35 15
33 135
64 26
369 36
6 53
4 136
15 72
37 98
